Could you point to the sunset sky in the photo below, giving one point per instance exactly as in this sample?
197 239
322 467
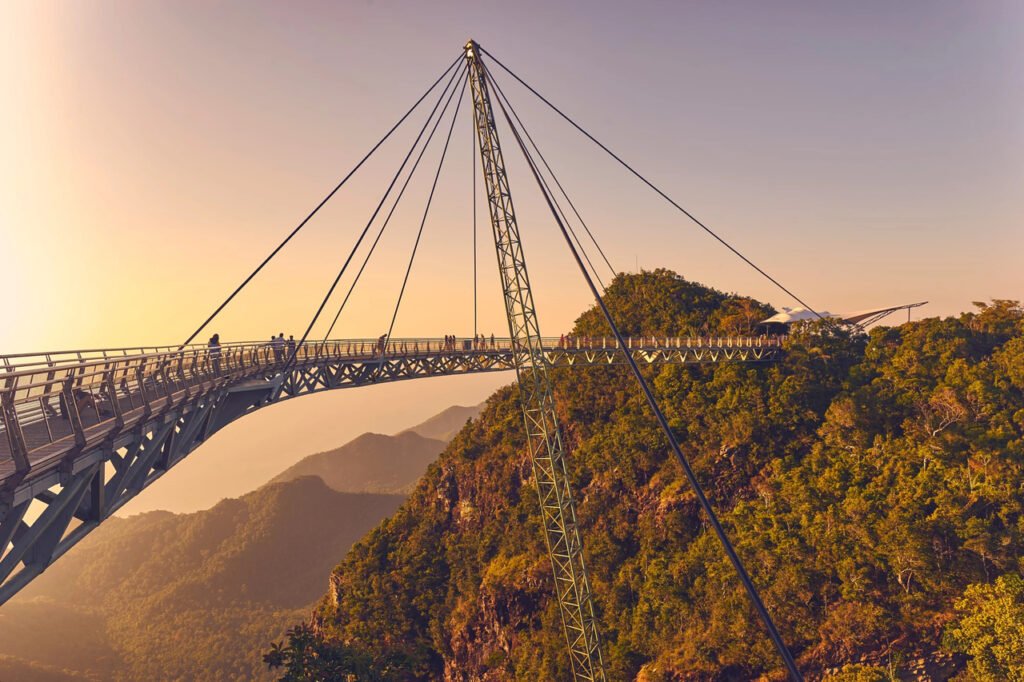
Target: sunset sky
865 154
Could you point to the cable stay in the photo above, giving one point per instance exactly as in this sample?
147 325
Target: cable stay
555 202
376 211
423 222
654 187
380 232
748 584
319 206
472 172
554 177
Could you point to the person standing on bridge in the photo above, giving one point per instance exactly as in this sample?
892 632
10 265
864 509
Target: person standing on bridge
214 351
277 342
291 345
492 340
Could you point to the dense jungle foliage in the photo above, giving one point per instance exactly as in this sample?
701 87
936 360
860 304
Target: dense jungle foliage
872 484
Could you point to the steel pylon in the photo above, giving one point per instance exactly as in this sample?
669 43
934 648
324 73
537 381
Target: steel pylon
547 449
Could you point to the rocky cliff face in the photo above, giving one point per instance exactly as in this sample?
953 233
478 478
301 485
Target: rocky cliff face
864 480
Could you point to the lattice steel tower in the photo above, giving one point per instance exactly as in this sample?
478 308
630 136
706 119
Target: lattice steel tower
546 447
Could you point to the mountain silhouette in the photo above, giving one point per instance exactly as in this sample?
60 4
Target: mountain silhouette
197 596
376 463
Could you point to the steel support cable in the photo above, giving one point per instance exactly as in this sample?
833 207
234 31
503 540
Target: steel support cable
558 207
472 172
653 186
318 206
376 211
705 504
565 219
380 232
426 211
554 177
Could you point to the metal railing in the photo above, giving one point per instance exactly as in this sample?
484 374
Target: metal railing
46 397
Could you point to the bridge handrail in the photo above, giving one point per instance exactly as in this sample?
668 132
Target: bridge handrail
50 358
40 392
50 361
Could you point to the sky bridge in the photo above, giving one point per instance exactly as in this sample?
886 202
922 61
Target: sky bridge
102 425
85 431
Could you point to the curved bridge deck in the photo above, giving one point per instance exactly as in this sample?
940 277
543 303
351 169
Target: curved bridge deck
82 432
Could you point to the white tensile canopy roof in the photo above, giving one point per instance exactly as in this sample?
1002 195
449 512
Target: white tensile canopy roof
797 314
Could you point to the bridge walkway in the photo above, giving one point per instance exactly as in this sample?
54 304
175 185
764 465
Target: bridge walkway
69 401
83 432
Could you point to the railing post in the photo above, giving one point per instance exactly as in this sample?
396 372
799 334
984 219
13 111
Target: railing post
73 416
115 403
140 380
168 389
15 436
181 375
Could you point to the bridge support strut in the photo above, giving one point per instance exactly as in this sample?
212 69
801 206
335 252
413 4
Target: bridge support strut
547 450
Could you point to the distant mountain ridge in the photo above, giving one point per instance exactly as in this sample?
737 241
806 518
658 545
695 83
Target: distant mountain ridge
198 596
384 464
187 596
444 425
371 462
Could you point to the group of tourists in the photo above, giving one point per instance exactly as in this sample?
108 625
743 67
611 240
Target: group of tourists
474 343
283 348
280 346
570 341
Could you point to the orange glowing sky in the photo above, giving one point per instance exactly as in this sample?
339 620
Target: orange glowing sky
153 152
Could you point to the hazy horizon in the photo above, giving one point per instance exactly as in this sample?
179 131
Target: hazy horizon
865 154
154 152
262 445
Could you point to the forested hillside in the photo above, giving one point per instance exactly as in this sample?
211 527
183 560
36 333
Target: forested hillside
163 596
197 596
871 483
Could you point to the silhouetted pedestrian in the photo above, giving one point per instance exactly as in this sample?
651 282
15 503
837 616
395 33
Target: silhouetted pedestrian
277 343
214 351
